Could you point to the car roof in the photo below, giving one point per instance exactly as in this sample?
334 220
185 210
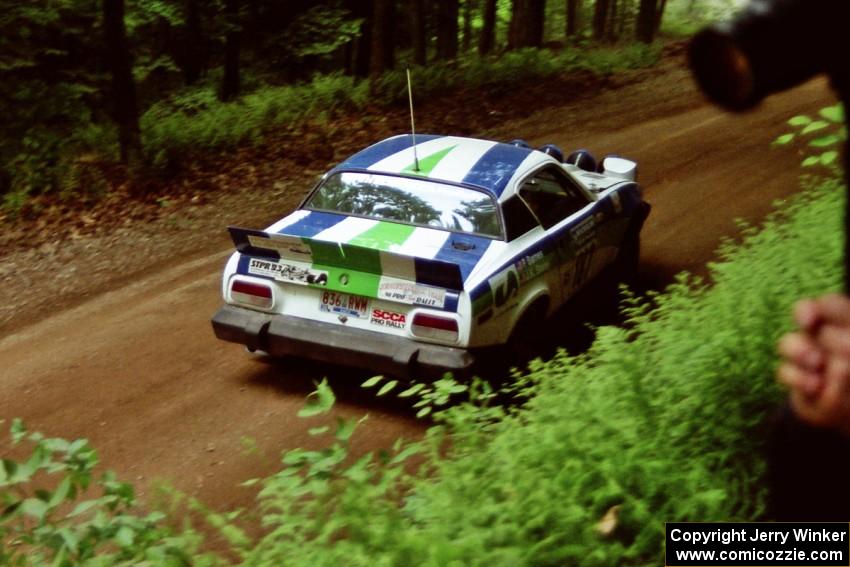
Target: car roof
484 164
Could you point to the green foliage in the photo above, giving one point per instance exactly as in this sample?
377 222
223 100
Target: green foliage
824 135
46 92
511 68
321 30
683 18
66 524
196 121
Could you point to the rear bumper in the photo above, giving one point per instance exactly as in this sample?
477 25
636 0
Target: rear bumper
281 335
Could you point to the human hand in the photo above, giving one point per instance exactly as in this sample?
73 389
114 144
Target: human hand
816 365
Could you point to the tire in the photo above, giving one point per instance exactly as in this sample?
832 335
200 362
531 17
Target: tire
527 337
628 260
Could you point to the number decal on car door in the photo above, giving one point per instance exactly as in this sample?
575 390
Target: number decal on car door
577 271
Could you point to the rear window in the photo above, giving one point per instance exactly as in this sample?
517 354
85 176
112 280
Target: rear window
412 201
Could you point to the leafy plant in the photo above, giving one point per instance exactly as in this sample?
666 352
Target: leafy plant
823 134
66 524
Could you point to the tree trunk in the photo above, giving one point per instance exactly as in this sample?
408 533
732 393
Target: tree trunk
126 112
230 83
600 17
362 46
420 32
488 29
527 24
383 44
572 18
469 6
447 28
614 9
192 59
659 14
646 21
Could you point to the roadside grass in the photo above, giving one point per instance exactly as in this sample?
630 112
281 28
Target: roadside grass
664 419
196 121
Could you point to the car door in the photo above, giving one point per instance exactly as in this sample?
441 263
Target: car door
569 217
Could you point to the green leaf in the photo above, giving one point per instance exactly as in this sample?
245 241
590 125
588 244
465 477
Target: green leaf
318 430
800 120
833 113
405 454
17 430
125 536
83 507
412 391
828 158
826 141
784 139
371 382
386 388
344 429
811 161
815 126
34 508
70 539
320 401
423 412
7 470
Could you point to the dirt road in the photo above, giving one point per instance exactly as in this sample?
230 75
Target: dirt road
138 372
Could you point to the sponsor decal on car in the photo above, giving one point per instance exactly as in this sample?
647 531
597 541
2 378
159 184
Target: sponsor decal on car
388 318
285 272
531 266
269 244
413 293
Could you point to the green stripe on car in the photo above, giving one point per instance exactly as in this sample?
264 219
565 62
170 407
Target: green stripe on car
427 164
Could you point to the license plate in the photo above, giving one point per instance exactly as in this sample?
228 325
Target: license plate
344 304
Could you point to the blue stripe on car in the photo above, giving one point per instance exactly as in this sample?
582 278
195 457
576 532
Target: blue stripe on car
496 167
312 224
465 250
376 152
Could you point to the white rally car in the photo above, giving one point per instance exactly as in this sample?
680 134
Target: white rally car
406 259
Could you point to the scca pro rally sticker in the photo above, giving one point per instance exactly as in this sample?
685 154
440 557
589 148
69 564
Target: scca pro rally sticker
282 271
388 318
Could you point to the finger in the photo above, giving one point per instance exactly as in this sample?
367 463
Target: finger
834 401
834 340
802 350
831 309
801 382
807 315
806 409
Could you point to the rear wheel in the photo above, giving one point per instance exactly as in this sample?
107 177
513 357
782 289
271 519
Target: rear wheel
628 260
527 340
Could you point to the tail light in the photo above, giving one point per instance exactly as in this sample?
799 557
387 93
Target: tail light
434 327
251 293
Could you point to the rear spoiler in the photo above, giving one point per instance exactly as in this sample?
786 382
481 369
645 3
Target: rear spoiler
358 258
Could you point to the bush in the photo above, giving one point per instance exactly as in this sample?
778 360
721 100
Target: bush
197 121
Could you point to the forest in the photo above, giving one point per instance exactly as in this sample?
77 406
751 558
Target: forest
96 93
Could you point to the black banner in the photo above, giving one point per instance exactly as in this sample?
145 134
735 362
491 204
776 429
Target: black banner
758 544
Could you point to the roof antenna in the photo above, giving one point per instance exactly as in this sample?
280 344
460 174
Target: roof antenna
412 124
